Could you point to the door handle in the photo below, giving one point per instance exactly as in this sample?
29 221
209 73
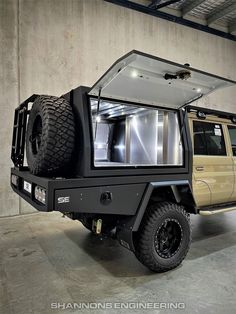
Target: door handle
199 168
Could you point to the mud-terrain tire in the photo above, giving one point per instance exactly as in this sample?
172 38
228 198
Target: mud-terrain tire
164 237
50 136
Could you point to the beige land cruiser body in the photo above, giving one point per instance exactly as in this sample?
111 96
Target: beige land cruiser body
214 161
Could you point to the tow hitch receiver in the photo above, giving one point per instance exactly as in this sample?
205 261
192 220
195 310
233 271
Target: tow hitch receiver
97 226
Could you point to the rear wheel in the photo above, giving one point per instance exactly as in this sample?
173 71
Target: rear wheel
164 237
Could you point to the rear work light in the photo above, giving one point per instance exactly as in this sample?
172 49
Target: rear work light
14 180
40 194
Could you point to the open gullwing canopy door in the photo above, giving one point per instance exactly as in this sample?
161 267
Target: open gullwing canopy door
145 79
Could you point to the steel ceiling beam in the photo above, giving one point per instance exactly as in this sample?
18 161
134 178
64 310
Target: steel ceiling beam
221 12
172 18
190 6
164 4
154 3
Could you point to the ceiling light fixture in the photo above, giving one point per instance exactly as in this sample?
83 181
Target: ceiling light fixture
134 73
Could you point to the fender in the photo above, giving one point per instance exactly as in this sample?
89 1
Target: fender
128 226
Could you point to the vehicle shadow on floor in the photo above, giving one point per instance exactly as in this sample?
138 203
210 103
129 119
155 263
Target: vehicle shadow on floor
114 258
109 254
115 267
209 235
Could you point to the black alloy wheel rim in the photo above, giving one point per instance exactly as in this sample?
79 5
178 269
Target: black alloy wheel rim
168 238
36 136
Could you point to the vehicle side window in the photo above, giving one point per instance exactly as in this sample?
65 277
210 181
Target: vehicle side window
208 139
232 134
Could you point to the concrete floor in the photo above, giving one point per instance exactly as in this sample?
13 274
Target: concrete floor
46 259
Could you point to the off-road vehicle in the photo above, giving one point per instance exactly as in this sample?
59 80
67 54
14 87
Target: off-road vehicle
130 157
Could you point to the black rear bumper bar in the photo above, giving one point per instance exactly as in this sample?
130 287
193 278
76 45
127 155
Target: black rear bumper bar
83 195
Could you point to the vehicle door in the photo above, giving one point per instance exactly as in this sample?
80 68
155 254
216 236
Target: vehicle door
213 175
232 143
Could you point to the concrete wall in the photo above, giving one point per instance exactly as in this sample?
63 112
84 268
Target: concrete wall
51 46
9 97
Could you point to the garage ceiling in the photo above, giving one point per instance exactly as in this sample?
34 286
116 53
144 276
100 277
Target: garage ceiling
215 17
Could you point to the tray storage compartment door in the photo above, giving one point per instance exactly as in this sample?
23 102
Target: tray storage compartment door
114 199
146 79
